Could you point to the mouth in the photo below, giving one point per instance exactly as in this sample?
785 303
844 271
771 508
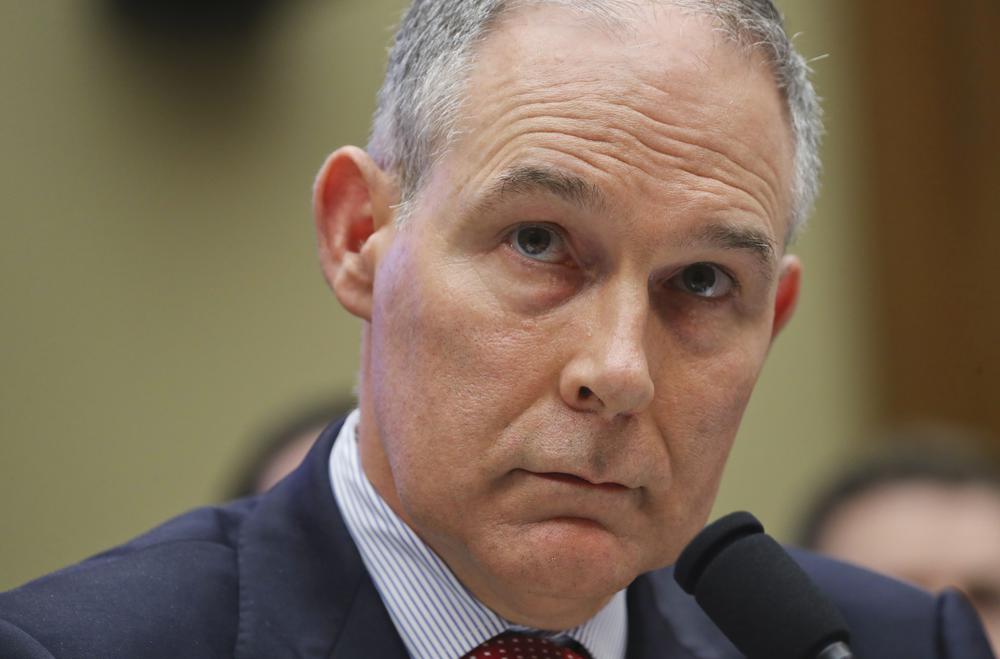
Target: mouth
578 481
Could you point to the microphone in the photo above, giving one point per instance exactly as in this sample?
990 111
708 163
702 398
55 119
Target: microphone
757 595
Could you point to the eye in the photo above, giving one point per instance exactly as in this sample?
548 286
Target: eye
539 243
703 280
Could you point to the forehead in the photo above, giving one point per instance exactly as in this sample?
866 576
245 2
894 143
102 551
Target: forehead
946 527
658 102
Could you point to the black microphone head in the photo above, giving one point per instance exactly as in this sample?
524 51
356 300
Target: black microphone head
755 593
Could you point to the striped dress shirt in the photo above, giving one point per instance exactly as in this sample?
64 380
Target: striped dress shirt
435 615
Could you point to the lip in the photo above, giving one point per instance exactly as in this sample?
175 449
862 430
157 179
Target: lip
579 481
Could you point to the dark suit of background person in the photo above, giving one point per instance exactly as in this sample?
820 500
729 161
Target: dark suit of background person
277 575
569 276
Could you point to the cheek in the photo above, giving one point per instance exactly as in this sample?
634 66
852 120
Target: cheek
451 367
709 381
701 401
701 414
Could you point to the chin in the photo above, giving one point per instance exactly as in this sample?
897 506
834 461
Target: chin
573 558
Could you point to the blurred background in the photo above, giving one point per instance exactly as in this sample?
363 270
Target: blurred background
161 307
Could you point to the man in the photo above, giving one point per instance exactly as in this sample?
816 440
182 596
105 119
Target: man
567 244
925 509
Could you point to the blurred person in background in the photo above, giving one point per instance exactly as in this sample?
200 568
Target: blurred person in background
568 244
924 509
277 452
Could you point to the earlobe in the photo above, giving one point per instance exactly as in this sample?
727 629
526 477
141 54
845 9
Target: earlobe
352 201
787 296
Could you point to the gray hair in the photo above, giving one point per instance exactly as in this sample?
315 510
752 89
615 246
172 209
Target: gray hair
432 57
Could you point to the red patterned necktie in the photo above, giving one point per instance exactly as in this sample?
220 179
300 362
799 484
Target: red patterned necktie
511 645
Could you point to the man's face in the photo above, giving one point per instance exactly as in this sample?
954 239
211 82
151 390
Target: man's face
566 331
936 535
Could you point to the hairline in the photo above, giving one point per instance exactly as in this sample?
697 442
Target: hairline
610 15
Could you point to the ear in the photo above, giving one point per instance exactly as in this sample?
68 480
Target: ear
352 201
789 278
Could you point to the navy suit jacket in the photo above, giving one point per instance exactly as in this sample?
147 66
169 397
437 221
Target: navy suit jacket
278 576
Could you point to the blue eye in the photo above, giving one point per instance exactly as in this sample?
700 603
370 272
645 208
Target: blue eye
703 280
539 242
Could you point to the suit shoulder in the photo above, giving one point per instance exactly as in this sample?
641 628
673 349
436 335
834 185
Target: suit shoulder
172 591
886 618
857 588
892 618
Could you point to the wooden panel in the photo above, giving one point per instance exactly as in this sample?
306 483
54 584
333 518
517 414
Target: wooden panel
931 80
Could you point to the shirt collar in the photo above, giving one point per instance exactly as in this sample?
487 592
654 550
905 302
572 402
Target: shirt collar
435 615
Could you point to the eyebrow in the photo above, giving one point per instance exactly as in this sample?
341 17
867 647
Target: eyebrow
737 237
533 179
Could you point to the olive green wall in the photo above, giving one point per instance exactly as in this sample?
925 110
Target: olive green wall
819 394
160 297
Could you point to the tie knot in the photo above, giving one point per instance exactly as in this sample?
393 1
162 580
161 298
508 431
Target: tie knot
511 645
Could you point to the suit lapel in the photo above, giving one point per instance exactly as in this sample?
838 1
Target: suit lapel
368 631
304 591
650 635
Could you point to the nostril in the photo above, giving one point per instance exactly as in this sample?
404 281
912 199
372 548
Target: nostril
585 393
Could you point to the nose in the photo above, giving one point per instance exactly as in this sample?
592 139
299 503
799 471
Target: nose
609 373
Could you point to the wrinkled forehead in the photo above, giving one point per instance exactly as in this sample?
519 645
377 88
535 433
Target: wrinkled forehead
635 26
643 73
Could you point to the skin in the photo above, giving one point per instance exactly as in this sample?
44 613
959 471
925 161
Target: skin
931 534
555 424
